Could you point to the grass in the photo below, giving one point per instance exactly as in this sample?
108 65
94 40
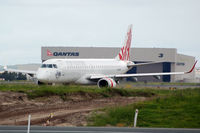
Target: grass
171 109
35 91
166 83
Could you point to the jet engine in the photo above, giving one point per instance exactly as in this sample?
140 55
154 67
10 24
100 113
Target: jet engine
106 82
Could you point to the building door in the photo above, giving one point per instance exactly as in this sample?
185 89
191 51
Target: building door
131 71
166 68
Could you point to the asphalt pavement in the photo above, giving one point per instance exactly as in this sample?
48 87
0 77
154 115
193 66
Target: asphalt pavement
39 129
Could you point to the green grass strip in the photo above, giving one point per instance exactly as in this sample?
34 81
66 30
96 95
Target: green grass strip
172 109
35 91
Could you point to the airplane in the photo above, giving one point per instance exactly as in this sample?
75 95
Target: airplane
103 72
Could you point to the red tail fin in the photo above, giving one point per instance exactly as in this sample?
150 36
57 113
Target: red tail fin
124 53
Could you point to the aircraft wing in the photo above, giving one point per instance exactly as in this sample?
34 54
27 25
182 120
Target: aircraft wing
141 74
31 73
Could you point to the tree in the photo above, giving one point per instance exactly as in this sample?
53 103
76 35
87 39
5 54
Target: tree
12 76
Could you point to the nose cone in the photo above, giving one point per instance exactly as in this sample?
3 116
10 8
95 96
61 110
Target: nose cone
42 75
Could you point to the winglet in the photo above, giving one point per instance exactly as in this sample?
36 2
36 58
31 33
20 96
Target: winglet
192 67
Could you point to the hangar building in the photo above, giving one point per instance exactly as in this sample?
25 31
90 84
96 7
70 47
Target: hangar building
168 60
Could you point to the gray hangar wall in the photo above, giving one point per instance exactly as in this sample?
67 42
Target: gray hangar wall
168 60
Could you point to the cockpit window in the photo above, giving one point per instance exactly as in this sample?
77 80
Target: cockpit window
49 66
55 66
43 66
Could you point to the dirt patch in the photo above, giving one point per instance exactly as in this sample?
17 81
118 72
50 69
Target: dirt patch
54 110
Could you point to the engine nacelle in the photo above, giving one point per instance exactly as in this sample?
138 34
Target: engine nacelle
106 82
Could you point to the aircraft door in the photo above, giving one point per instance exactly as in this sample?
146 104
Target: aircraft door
59 72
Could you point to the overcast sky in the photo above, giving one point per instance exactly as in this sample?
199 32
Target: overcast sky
26 25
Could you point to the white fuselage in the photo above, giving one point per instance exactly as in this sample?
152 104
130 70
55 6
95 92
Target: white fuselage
78 70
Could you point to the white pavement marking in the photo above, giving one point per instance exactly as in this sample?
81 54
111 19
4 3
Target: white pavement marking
29 123
51 131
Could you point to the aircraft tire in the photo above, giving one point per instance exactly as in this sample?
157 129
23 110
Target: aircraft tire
40 83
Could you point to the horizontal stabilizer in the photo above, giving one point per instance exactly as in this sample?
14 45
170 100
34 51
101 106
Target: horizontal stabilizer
141 64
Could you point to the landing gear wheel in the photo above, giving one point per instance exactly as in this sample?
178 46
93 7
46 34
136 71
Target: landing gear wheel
40 83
